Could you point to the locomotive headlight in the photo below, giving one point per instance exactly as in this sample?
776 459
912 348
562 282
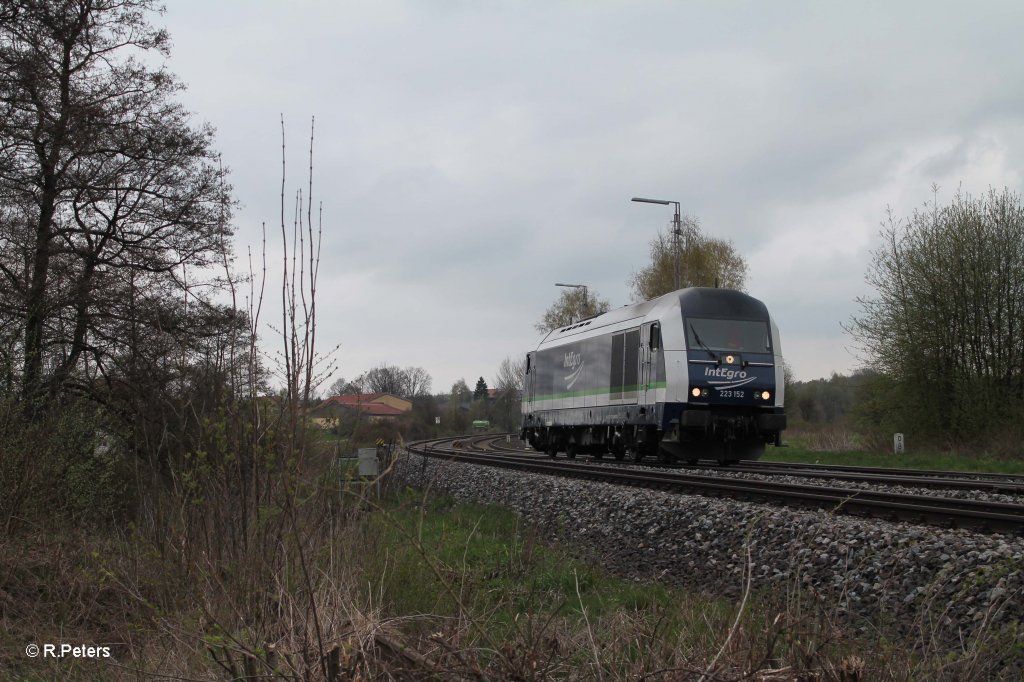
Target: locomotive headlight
729 359
695 391
766 395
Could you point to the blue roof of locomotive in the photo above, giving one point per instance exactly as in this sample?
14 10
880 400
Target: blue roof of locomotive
709 302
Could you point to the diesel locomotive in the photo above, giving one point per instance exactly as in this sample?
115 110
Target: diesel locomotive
695 374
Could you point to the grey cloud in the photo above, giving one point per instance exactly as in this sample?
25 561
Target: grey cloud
469 155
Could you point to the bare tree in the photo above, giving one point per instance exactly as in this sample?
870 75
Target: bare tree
342 386
509 385
411 382
112 206
417 382
510 375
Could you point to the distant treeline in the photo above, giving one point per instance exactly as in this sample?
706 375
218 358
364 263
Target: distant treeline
872 406
823 401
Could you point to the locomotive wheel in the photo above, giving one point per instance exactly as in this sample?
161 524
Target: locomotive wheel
598 454
619 453
552 450
638 455
570 450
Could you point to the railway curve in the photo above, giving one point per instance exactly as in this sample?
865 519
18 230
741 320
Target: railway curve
979 515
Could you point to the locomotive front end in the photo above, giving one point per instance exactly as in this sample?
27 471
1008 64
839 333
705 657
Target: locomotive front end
733 403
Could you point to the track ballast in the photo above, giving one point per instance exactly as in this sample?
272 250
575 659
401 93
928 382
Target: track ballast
977 515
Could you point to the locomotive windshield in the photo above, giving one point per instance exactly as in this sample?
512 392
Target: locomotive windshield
742 336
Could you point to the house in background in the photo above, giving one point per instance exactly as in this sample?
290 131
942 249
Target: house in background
373 406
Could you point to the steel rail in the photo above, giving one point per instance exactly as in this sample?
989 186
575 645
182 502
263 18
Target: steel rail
947 512
879 475
1006 484
1012 479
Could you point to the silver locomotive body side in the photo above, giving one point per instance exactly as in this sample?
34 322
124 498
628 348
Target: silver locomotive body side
624 381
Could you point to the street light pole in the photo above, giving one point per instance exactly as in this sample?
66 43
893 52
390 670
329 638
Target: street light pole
677 231
586 301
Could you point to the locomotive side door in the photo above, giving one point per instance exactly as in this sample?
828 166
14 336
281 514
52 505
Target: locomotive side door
531 373
650 340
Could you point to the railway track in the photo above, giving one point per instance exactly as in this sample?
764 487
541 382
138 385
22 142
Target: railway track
922 509
1006 484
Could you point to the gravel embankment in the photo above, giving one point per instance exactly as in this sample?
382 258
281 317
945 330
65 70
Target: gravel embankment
948 583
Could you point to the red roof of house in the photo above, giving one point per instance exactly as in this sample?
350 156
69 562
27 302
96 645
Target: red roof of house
363 403
350 399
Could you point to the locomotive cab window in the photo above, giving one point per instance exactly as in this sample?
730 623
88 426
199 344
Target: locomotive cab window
743 336
655 341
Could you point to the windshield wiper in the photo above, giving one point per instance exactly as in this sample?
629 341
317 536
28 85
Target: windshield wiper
696 337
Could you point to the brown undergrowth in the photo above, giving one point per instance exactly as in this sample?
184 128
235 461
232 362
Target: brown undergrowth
407 587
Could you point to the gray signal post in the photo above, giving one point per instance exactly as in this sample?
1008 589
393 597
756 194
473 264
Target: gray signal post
677 231
576 286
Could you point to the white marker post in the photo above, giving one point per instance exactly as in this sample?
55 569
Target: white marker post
897 443
369 465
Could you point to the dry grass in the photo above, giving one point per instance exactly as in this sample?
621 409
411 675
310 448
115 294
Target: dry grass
413 589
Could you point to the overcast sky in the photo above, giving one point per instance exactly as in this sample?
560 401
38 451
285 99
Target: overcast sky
470 154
